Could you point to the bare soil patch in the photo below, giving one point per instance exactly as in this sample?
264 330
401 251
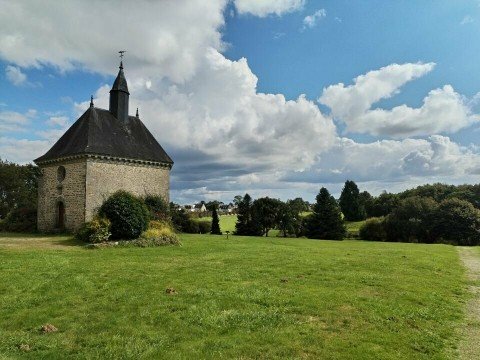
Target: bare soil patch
469 345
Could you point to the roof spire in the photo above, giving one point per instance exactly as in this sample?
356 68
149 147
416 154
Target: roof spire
137 114
121 52
91 101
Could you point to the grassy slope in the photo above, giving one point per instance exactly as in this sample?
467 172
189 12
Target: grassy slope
348 299
353 228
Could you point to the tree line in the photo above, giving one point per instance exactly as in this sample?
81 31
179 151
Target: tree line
432 213
258 217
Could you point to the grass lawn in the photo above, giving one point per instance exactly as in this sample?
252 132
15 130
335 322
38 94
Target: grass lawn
353 228
242 298
227 222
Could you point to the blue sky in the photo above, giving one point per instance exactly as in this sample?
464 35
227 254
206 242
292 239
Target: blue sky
247 95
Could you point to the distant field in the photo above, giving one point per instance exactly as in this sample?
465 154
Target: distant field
238 298
353 228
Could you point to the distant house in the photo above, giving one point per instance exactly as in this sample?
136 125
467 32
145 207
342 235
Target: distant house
200 207
227 208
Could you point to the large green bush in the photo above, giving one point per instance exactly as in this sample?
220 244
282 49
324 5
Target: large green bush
373 229
128 215
23 219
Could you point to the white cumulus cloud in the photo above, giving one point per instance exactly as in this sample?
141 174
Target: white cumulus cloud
264 8
311 21
443 109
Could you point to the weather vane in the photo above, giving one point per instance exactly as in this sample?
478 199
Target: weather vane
121 52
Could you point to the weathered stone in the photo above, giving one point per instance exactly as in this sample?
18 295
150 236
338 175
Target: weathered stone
48 328
88 183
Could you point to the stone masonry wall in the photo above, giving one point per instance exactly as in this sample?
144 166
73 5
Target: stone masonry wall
105 177
70 191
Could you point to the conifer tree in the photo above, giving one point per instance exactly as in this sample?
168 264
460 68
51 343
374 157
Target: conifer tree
326 221
350 203
215 223
244 215
247 221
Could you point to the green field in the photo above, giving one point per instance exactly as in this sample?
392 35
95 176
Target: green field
242 298
227 223
353 228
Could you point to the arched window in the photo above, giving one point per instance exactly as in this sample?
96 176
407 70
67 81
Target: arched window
61 172
60 215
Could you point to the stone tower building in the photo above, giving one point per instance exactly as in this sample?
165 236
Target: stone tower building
102 152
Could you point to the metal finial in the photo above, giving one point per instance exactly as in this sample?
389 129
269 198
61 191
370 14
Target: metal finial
137 113
91 101
121 52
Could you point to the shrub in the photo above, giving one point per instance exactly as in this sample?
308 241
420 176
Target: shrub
373 229
180 218
157 237
204 226
128 215
158 207
191 227
160 224
95 231
23 219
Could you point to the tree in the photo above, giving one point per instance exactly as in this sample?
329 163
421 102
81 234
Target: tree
350 202
247 224
18 187
326 220
366 201
213 205
290 220
412 220
215 223
457 222
383 205
265 212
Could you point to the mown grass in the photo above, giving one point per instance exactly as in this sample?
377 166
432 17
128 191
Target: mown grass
238 298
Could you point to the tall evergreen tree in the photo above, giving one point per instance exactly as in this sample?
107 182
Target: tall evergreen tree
350 202
326 221
215 223
244 215
247 221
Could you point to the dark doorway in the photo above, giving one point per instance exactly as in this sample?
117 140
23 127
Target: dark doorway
61 215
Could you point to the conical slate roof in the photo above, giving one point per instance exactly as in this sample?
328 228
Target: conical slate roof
98 132
120 82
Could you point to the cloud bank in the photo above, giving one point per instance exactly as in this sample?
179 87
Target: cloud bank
225 136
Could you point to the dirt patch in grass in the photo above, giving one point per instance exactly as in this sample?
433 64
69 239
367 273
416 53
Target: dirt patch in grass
470 346
37 241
